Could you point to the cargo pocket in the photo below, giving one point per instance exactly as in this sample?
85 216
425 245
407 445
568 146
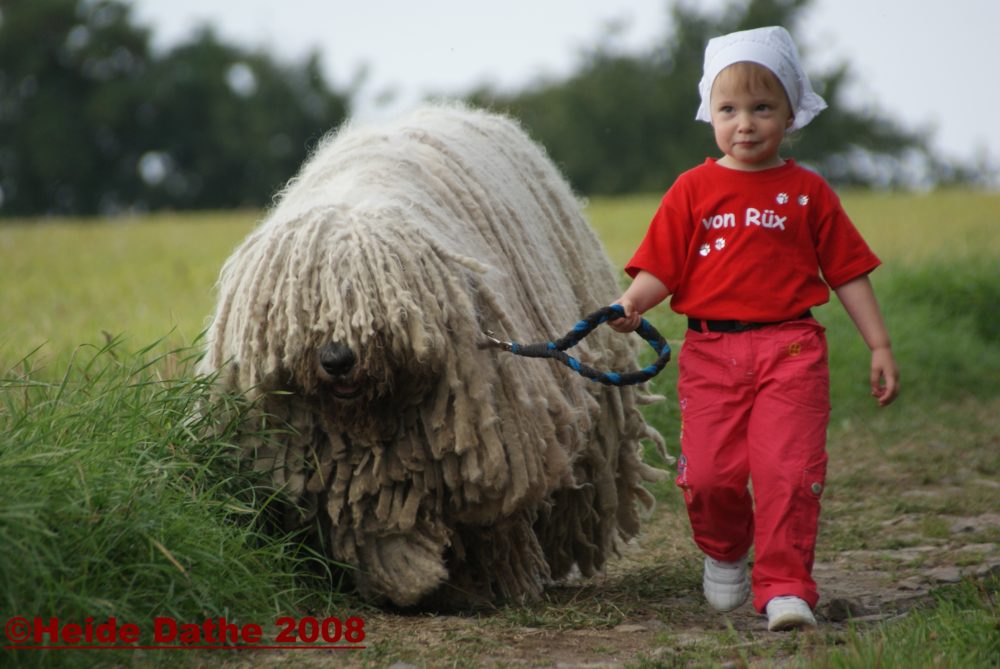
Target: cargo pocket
809 492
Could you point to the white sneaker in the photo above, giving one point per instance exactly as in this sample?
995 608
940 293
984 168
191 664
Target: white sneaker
788 613
726 584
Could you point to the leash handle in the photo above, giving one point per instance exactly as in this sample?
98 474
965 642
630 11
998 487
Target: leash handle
557 349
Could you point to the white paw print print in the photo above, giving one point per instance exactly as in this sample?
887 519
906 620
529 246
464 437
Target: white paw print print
720 243
782 198
803 200
705 249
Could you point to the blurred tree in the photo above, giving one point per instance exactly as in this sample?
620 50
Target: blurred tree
243 128
625 123
69 76
92 121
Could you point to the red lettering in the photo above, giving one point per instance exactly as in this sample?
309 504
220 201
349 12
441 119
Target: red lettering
105 632
355 630
129 633
71 633
208 631
334 636
41 629
190 633
229 631
252 633
164 630
287 633
308 629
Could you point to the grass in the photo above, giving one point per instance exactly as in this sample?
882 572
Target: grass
117 500
68 282
71 282
960 630
112 502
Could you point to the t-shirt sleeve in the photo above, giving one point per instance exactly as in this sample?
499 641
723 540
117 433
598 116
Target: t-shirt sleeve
663 250
842 252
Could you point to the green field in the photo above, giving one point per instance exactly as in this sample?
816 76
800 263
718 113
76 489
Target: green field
66 283
112 503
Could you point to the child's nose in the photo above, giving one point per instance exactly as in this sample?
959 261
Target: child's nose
745 122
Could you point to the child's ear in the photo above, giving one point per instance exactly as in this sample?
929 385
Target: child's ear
789 122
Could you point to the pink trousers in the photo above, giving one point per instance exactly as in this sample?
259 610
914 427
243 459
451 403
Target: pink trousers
754 410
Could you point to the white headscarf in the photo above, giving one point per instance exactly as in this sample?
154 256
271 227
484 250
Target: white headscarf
774 49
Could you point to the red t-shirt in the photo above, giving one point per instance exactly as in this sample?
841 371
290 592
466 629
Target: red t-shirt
751 246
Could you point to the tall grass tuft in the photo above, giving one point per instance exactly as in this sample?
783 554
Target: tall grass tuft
116 500
961 632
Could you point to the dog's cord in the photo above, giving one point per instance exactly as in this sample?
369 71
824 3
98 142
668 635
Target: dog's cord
556 349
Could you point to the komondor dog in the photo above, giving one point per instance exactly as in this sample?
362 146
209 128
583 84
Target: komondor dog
445 472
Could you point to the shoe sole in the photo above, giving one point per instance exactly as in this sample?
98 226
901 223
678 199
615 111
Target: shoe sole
727 609
790 621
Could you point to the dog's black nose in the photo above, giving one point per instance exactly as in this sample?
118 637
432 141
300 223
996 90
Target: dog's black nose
337 359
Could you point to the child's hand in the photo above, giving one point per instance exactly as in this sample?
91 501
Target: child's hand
884 376
631 320
645 292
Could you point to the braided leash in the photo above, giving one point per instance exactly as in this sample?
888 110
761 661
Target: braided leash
556 349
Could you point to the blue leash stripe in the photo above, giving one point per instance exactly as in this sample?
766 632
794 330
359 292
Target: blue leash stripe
556 349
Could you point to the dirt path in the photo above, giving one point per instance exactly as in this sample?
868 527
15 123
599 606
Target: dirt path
645 612
899 520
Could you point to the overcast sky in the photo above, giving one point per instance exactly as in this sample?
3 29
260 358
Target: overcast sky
929 65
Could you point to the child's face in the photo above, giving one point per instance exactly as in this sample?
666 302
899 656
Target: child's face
749 122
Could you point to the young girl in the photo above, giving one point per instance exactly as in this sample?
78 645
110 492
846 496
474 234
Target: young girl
746 245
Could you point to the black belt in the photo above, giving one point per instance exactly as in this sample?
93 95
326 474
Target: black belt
737 326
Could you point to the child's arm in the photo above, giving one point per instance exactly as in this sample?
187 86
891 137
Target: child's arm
859 301
645 293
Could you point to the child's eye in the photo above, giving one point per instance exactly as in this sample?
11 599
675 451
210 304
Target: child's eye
763 107
726 109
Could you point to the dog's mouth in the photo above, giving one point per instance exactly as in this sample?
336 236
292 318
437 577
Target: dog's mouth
345 391
342 386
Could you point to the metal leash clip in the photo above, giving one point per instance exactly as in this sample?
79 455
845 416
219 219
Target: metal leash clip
505 345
